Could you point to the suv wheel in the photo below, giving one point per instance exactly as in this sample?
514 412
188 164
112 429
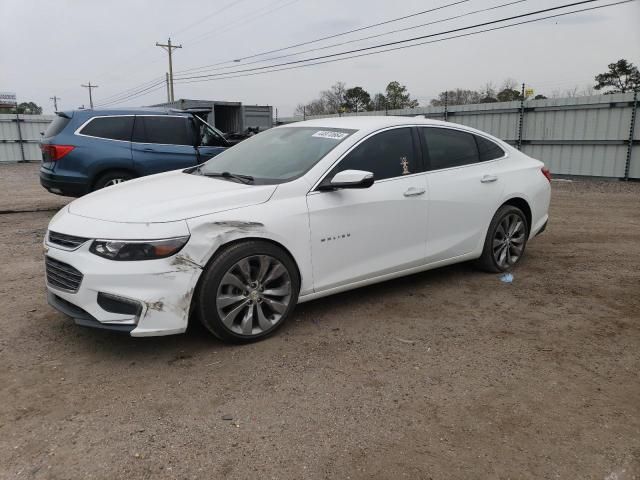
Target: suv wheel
111 178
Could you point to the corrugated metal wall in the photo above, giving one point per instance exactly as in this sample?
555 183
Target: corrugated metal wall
11 149
573 136
257 116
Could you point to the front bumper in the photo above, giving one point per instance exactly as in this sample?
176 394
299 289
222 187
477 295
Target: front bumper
162 289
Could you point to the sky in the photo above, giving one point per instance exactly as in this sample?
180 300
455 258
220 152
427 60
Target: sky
52 47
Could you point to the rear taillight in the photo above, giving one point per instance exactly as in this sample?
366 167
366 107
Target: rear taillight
546 173
51 153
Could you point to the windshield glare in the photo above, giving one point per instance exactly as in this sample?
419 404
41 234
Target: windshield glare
279 154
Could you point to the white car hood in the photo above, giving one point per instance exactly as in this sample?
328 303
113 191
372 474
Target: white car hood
168 197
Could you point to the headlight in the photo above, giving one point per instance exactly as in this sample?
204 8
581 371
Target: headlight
137 249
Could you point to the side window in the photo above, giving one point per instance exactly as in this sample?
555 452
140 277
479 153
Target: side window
388 154
162 129
488 150
449 148
113 128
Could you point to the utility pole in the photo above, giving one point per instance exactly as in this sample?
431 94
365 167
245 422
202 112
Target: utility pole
169 48
168 89
90 87
55 102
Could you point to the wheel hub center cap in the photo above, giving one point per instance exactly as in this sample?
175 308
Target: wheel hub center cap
254 295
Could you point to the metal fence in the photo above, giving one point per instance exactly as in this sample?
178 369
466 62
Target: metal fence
587 136
19 136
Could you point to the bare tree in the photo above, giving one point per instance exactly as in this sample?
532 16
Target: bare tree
510 84
587 91
489 90
571 92
334 98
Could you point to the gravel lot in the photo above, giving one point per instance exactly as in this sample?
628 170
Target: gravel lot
448 374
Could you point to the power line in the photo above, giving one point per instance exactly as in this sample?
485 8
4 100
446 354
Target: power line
90 87
242 21
335 35
131 90
229 76
137 94
126 94
365 38
206 17
397 42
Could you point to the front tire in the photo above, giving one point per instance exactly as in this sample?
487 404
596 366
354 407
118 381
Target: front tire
248 291
505 241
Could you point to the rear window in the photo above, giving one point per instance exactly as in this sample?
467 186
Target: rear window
450 148
488 150
112 128
162 129
56 126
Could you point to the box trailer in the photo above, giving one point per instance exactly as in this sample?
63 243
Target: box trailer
229 117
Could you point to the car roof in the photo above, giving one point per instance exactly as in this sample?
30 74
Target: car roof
369 123
93 112
366 122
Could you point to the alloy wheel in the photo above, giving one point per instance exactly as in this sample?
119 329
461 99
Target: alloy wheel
253 295
114 181
508 240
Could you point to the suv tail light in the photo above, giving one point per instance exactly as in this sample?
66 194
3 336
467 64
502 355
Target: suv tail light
51 153
546 173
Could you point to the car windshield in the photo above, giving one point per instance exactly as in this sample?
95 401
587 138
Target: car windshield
277 155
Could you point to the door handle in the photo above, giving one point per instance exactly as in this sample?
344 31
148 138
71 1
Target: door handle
414 191
147 149
488 179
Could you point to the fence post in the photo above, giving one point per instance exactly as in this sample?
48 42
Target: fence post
20 140
446 102
627 165
521 119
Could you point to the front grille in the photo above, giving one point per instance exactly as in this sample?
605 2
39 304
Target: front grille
61 275
66 241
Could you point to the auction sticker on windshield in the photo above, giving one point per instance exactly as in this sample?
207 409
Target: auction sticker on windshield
331 135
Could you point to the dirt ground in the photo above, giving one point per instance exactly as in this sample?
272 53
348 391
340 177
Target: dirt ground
449 374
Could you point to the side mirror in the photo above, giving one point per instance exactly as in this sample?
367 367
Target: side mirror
348 179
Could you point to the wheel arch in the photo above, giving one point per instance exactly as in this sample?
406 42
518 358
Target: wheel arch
522 204
111 168
234 241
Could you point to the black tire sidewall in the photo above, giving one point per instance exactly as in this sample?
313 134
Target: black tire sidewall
106 177
487 260
218 267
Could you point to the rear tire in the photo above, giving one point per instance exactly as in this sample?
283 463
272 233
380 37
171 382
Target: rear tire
110 178
506 240
248 291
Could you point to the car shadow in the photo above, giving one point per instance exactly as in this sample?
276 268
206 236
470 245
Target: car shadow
197 340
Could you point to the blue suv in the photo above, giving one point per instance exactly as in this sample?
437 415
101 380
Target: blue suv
85 150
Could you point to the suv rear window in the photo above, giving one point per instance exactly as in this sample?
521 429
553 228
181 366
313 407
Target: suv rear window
56 126
162 129
112 128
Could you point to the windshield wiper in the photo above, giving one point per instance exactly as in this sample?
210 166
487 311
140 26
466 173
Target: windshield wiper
235 176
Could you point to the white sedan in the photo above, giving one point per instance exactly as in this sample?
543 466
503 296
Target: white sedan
293 214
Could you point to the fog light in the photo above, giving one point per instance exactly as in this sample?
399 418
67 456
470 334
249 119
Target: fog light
120 305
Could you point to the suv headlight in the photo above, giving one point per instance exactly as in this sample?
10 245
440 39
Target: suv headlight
137 249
